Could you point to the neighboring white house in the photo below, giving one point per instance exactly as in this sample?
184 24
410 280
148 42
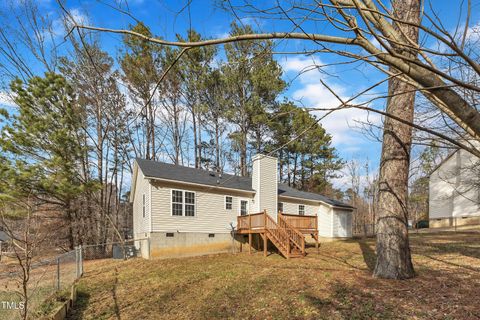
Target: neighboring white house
454 193
183 211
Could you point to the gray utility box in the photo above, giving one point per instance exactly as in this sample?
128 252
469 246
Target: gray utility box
118 252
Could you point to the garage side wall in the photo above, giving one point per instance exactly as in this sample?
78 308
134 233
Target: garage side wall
325 221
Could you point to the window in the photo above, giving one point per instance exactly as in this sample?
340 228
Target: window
183 203
280 206
143 205
301 209
228 203
189 204
177 203
243 207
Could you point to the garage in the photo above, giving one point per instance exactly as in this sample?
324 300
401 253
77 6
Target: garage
335 222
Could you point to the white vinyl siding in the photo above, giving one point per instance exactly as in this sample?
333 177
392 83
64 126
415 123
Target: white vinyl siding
264 182
441 189
325 221
451 187
141 206
290 207
210 214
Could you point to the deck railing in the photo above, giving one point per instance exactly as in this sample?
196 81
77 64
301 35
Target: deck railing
251 221
301 223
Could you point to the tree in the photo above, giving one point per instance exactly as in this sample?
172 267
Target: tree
42 143
309 161
215 116
393 250
418 190
139 66
107 137
253 82
195 71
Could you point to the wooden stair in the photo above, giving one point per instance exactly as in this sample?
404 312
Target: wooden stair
289 241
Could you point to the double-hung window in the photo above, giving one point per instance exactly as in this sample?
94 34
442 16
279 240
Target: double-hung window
243 207
301 209
228 203
183 203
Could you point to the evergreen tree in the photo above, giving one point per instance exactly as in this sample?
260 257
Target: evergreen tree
42 145
252 83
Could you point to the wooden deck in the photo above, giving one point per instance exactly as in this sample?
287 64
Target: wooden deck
287 233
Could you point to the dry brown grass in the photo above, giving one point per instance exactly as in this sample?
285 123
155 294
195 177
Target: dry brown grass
334 284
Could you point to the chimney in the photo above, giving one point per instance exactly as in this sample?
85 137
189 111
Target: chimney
265 184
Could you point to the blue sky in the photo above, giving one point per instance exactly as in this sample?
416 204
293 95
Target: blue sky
204 16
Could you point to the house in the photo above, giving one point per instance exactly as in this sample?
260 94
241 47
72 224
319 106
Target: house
454 191
179 210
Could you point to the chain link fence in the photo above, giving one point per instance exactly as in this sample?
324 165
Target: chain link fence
24 287
363 230
48 277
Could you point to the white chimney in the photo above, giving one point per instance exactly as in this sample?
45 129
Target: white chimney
265 184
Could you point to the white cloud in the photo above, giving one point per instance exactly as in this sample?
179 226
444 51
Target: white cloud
76 16
313 94
6 100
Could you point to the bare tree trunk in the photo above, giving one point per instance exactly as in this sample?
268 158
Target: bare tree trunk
199 140
217 146
243 154
393 250
195 138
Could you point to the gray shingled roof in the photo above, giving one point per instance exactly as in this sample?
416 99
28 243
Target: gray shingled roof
162 170
286 191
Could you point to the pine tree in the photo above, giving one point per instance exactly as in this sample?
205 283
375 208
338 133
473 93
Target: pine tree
41 142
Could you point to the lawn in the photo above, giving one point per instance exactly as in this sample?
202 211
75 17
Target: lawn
335 283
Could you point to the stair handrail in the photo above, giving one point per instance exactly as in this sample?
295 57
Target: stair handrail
295 235
279 234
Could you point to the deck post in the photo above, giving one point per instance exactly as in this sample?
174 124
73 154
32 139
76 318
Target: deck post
288 248
265 243
316 241
264 219
250 243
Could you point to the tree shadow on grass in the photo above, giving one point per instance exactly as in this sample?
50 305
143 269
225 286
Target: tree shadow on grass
464 243
114 295
369 255
350 302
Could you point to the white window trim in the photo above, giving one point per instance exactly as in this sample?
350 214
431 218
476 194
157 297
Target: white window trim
304 209
225 203
240 206
183 203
